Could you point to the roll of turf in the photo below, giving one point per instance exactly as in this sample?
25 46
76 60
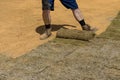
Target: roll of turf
75 34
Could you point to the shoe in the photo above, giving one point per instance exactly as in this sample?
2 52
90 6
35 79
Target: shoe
46 34
88 28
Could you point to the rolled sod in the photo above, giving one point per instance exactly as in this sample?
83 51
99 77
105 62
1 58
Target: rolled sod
75 34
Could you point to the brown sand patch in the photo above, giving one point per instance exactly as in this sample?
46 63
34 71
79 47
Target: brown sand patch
19 20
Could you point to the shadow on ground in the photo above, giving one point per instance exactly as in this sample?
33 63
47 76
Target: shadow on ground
55 27
65 59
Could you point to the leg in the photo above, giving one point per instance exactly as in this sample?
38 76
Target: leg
46 7
47 22
77 14
72 4
79 17
46 17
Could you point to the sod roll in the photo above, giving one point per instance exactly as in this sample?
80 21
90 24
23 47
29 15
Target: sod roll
75 34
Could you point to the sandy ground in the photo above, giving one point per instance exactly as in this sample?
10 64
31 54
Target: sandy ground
19 20
98 59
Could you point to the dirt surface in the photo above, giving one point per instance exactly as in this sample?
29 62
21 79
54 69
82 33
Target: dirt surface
21 19
65 59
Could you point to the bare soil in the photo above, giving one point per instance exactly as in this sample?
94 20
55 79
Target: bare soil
66 59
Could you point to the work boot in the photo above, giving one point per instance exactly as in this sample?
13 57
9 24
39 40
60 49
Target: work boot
46 34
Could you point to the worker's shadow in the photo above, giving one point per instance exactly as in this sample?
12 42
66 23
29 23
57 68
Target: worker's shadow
55 27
